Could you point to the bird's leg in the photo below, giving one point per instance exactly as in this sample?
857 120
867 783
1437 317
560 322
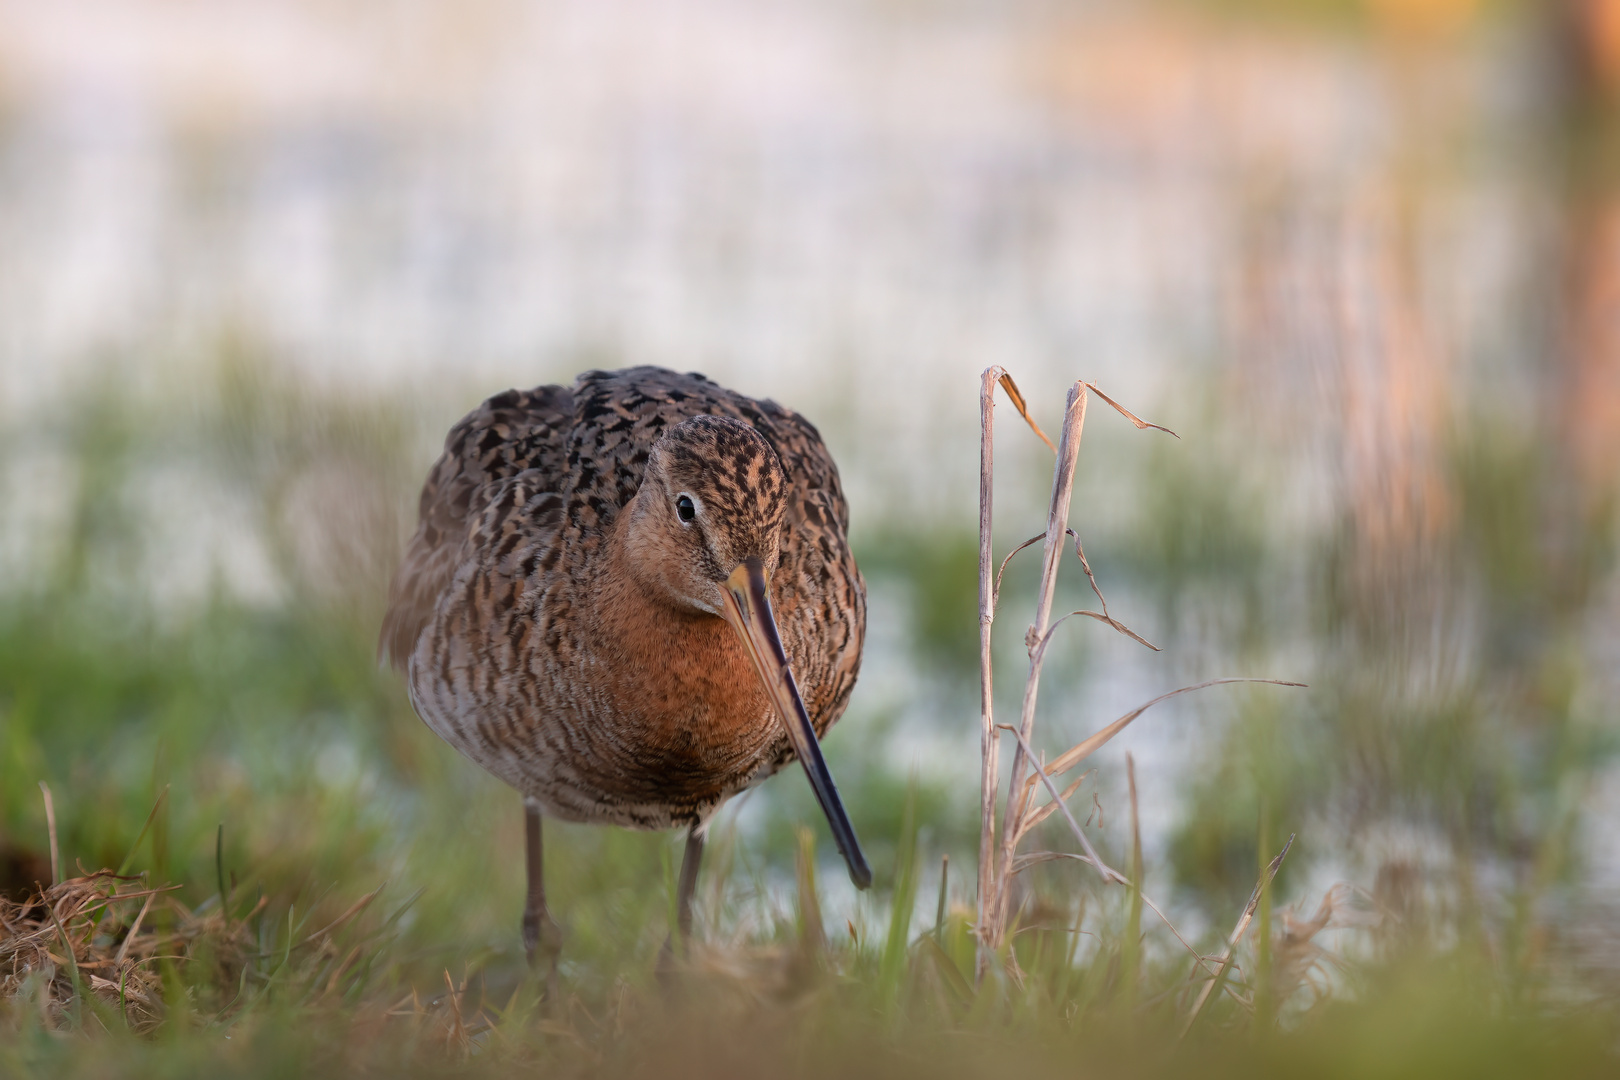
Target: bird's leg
688 885
542 939
683 900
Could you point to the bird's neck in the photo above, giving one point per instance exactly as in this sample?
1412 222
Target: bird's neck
675 666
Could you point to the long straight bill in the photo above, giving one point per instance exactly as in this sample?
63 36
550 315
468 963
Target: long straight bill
748 610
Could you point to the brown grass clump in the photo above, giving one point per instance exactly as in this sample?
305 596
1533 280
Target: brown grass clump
85 935
104 950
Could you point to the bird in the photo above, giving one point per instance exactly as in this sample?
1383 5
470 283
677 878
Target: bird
631 599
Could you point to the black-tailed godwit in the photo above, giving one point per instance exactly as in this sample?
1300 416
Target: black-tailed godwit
631 599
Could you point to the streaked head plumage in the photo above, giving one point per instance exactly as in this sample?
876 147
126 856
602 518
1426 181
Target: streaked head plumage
714 495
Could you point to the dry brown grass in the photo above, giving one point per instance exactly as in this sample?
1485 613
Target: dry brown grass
93 933
92 950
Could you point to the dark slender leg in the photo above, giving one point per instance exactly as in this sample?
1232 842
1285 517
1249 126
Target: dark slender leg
683 901
542 940
689 872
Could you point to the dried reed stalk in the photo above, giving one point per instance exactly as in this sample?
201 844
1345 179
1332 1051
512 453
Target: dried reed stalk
989 743
1057 522
999 862
1223 965
1131 958
50 825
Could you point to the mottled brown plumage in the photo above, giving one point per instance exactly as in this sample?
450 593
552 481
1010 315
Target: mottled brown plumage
559 617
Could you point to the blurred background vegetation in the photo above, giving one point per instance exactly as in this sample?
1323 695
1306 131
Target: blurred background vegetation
1363 255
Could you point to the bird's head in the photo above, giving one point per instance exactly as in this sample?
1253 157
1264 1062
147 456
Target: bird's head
713 498
704 534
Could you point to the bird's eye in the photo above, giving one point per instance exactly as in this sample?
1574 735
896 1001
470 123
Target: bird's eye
684 508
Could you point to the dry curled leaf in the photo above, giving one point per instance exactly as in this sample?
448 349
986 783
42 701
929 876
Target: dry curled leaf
1017 400
1127 414
1108 619
1085 748
995 594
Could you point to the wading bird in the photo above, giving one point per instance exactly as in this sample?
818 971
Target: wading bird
631 599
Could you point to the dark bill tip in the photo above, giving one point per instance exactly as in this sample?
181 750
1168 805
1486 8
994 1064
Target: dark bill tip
748 610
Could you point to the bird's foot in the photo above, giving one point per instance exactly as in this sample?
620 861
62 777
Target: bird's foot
542 944
670 958
674 957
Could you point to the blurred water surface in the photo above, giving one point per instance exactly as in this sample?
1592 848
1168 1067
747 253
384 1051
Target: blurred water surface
255 258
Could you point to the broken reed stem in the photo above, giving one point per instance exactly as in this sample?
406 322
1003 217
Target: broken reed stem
1132 955
50 825
1224 964
988 740
1057 521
